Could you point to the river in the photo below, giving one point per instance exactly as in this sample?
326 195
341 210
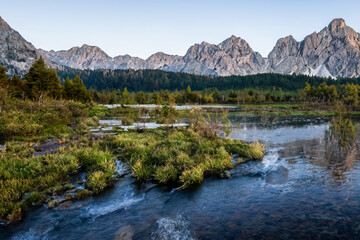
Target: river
300 190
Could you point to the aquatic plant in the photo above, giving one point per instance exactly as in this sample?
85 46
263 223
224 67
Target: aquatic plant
181 156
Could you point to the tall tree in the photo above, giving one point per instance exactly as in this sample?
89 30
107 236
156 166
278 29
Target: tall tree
42 82
75 90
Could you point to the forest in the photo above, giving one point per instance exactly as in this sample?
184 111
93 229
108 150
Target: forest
156 80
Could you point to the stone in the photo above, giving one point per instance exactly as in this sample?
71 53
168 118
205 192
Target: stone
124 233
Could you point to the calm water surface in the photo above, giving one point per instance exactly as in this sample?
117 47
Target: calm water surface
302 189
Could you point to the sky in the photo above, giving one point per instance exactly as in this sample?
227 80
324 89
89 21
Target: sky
143 27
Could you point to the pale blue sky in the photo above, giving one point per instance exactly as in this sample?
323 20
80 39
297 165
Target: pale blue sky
143 27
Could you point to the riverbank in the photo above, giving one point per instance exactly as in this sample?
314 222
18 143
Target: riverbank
80 164
303 192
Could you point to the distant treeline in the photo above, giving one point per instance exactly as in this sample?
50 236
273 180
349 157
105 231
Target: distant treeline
141 87
155 80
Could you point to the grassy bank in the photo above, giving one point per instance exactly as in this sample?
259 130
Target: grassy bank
26 180
311 109
28 120
179 157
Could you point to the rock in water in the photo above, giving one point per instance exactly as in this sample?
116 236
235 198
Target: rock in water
124 233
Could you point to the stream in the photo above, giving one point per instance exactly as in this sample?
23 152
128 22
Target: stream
300 190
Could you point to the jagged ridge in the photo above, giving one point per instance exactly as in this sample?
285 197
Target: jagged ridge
332 52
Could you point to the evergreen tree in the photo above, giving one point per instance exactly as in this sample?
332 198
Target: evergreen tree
141 97
75 90
125 96
3 77
16 87
42 81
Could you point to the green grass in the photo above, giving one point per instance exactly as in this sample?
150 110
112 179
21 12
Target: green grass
180 156
26 180
32 121
273 105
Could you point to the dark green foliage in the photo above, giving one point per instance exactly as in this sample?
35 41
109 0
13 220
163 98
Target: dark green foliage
75 89
3 77
155 80
42 82
141 97
16 87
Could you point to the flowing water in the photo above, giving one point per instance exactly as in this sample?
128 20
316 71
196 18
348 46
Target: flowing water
302 189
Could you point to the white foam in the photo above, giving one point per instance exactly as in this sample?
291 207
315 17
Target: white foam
125 203
271 160
120 167
172 229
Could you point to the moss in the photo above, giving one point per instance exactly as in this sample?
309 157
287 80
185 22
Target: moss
68 197
81 194
14 213
19 149
53 203
68 186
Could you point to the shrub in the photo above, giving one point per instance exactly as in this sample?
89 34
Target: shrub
142 172
250 151
167 173
127 121
97 181
192 177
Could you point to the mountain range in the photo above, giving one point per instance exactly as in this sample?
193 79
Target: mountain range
332 52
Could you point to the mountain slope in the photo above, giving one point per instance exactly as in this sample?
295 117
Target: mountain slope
16 53
332 52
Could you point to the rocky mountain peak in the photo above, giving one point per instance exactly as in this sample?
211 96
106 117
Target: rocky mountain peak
337 27
4 25
332 52
15 52
236 47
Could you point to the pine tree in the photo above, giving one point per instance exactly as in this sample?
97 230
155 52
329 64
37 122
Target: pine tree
75 90
125 96
140 97
3 77
16 87
42 81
